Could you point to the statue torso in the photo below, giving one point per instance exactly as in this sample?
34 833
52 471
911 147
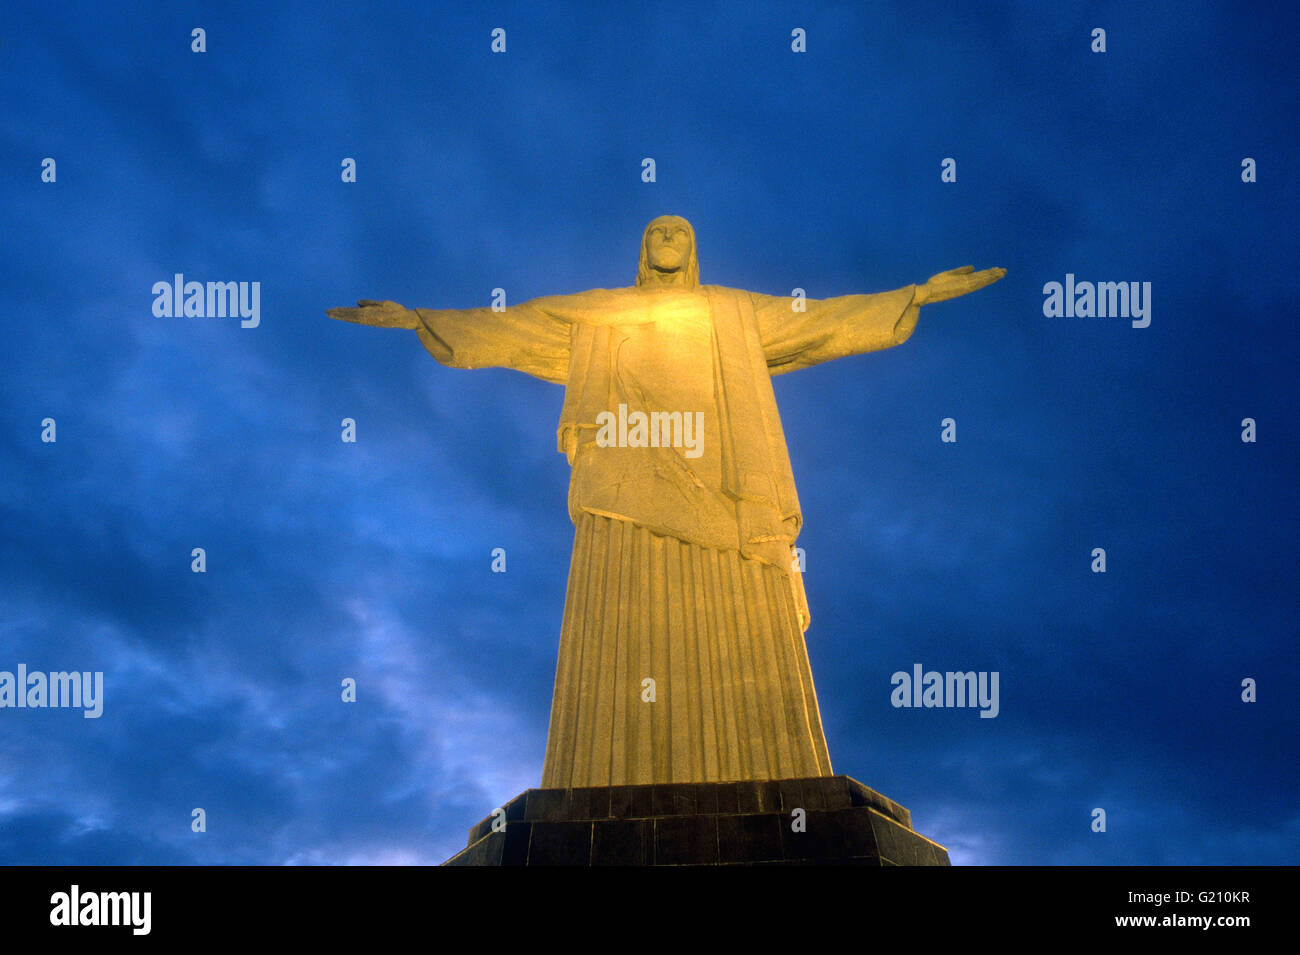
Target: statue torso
659 357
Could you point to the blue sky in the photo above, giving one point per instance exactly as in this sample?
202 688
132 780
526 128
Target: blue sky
521 170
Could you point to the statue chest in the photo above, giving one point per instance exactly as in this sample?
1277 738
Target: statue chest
670 356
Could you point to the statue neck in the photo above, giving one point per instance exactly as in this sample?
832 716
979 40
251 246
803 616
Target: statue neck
657 279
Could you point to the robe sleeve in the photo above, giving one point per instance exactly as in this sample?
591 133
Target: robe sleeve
530 337
833 327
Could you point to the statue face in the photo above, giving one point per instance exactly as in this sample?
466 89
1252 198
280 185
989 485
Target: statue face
668 244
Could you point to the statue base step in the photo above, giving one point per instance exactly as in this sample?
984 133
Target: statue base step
737 823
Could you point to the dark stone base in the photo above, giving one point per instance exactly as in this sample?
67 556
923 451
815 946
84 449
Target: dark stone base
740 823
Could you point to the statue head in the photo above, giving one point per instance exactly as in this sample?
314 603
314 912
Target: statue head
668 254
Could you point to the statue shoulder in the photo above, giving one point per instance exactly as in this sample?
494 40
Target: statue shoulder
597 306
724 290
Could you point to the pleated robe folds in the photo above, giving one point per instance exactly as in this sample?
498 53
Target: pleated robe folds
682 656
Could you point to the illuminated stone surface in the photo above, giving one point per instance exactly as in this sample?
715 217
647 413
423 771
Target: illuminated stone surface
682 657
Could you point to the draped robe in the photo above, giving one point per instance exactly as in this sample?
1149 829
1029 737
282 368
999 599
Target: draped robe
683 571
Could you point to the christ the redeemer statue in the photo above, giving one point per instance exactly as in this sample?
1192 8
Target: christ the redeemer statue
682 656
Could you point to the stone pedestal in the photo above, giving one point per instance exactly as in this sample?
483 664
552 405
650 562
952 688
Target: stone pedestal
737 823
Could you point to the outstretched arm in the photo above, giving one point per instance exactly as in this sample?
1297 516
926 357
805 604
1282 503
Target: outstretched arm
826 329
524 337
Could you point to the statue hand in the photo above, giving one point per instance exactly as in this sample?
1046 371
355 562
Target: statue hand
379 314
955 282
571 443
